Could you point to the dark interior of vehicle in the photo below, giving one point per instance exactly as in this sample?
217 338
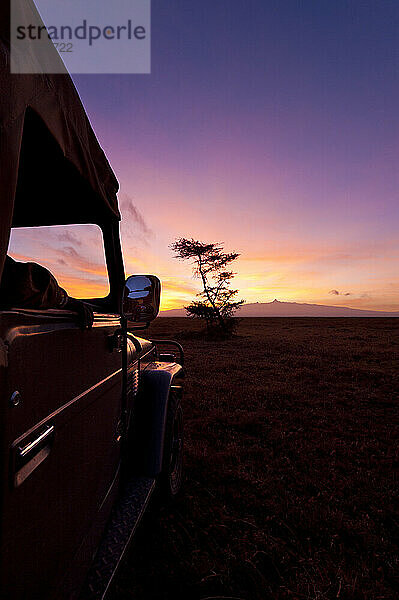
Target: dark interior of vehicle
50 189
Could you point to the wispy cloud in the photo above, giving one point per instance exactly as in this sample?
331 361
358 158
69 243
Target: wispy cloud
337 293
69 237
179 285
132 217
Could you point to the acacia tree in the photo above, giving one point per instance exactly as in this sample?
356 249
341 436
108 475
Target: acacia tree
217 301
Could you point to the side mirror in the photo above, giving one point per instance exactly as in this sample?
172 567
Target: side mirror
141 298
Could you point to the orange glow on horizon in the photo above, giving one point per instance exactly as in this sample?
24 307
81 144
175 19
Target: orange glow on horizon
298 271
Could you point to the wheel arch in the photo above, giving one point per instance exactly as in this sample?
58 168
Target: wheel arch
147 434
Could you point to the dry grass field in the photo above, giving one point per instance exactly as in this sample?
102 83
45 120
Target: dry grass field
292 459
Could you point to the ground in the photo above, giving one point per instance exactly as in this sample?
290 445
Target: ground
292 456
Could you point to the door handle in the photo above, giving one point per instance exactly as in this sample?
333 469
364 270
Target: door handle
30 456
32 446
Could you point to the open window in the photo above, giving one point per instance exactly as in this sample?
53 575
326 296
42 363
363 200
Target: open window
74 254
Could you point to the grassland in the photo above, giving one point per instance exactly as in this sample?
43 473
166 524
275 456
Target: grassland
292 458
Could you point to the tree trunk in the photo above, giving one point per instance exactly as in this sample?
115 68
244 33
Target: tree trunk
215 308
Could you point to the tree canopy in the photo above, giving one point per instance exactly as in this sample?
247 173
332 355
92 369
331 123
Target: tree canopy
216 302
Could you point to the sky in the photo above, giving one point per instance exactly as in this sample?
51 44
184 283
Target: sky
271 126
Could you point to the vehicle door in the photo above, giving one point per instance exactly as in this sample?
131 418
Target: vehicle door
61 392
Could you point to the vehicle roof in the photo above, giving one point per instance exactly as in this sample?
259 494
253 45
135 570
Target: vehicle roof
53 170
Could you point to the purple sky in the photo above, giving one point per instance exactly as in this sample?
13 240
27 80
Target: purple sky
271 126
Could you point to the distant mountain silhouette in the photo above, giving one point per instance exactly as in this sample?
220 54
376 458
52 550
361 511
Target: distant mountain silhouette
293 309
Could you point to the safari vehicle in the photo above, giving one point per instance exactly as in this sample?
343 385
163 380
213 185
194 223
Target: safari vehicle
91 420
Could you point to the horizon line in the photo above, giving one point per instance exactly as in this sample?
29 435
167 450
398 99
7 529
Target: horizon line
275 301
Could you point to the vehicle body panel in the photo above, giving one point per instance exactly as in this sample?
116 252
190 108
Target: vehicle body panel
69 380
